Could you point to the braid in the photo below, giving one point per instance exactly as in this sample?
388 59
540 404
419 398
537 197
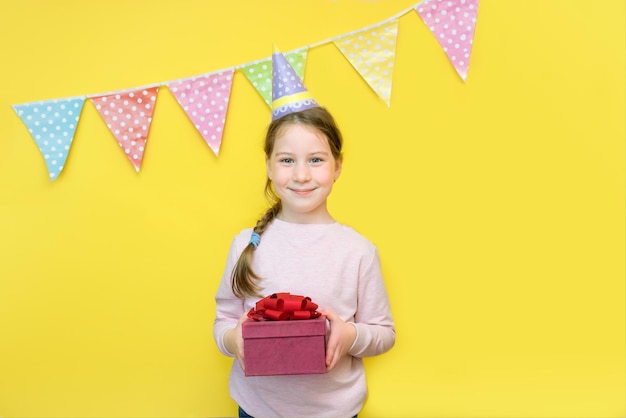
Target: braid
244 281
267 218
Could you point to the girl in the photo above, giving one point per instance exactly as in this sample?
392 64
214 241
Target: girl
298 247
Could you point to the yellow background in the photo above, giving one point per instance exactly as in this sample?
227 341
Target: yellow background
497 206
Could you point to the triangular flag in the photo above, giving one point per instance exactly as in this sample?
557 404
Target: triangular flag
259 73
128 116
52 125
372 53
205 101
453 23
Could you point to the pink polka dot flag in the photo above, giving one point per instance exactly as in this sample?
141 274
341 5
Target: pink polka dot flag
453 23
128 116
205 101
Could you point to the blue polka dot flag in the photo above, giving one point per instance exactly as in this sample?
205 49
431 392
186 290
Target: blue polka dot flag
52 125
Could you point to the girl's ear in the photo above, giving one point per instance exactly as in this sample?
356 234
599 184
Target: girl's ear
338 164
269 169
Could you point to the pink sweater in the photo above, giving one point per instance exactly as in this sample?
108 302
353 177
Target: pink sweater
340 270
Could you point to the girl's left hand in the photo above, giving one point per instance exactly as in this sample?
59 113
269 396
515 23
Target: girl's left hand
341 338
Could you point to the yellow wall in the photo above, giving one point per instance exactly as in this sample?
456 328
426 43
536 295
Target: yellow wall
497 205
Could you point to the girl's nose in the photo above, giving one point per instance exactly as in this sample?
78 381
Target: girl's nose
301 173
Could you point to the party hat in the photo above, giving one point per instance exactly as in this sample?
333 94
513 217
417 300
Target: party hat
289 94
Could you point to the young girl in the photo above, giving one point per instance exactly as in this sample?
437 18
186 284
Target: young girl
298 247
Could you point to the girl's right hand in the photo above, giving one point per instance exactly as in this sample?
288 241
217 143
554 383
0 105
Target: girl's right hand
233 340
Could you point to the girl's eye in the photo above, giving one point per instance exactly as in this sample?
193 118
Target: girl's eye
286 160
316 160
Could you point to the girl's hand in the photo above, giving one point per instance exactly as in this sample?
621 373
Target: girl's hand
233 340
341 338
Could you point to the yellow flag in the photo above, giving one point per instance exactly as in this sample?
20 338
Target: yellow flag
372 53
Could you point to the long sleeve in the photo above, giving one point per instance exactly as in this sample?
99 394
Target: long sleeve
229 308
375 328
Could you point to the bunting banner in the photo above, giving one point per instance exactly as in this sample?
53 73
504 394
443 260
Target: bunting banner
372 53
205 98
205 101
128 116
259 73
52 125
453 23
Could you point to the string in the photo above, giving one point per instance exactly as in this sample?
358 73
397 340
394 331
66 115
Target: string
239 66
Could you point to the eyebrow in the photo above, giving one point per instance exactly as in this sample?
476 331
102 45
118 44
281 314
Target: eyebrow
310 154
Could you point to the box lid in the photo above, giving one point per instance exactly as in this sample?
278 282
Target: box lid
293 328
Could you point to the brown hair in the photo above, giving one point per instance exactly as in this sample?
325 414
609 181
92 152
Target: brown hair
244 281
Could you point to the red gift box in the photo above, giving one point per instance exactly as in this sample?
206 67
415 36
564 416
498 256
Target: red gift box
284 347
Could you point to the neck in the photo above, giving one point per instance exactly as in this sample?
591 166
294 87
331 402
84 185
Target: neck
305 218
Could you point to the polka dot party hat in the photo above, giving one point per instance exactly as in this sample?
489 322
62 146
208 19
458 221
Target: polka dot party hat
52 125
289 95
259 73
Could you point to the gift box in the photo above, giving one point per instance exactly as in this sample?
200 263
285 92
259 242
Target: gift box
284 347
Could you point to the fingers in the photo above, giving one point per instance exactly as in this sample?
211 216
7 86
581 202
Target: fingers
340 340
331 344
330 315
331 361
239 353
330 354
334 350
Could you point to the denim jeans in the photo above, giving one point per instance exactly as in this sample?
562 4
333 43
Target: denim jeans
243 414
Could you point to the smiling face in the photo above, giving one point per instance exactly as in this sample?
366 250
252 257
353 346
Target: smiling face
302 169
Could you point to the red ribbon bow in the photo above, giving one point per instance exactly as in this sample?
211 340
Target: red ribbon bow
283 307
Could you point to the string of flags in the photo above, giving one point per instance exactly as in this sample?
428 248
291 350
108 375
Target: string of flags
205 98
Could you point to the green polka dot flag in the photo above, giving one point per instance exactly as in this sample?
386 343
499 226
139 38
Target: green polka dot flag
259 73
